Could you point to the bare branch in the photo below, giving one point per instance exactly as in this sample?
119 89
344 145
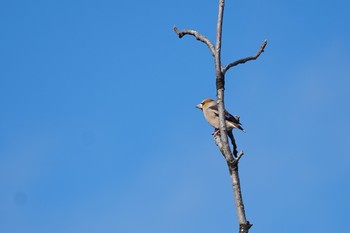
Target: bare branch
244 225
219 37
236 156
244 60
233 141
231 159
221 135
220 85
198 36
240 154
217 139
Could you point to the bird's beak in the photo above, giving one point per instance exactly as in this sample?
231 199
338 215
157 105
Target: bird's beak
199 106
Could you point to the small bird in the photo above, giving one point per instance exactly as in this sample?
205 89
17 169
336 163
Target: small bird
211 114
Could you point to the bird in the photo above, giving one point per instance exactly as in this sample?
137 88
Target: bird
211 114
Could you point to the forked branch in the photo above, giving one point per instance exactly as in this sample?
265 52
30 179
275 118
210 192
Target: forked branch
236 155
198 36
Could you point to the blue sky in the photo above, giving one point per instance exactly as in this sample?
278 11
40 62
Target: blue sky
98 130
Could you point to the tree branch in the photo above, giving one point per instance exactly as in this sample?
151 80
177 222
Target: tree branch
240 154
244 60
198 36
233 141
237 156
244 225
221 135
217 139
220 85
231 159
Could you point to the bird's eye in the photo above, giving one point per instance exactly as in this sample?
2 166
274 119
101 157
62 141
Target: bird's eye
202 103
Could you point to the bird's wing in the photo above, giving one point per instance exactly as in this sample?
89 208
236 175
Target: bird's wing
228 117
214 109
234 119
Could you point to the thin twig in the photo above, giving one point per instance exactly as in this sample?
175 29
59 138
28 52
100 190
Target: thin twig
233 141
198 36
244 60
240 154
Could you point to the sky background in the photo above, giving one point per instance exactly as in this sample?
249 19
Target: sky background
99 133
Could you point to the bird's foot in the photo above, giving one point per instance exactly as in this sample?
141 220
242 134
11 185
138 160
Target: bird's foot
216 133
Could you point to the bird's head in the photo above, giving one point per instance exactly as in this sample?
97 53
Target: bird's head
206 103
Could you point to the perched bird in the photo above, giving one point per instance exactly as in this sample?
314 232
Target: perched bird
211 114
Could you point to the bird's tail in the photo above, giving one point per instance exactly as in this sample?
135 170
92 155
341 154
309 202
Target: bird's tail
238 124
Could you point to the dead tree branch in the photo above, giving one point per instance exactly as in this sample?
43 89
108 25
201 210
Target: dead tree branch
231 158
198 36
244 60
233 141
220 85
221 136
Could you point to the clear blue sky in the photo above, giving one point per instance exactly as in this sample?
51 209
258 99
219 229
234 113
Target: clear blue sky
98 130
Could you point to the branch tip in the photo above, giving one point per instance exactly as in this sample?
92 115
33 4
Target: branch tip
198 36
177 31
262 48
240 154
244 60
